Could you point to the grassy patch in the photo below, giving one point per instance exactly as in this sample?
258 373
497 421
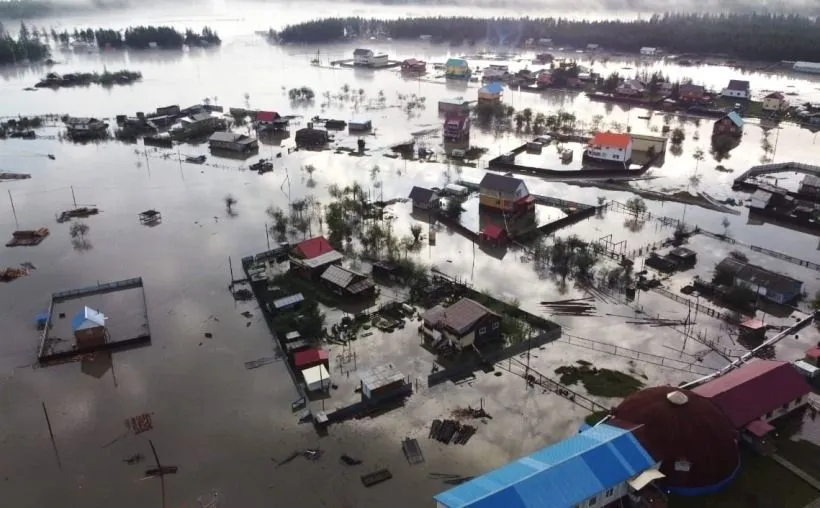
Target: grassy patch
597 416
803 454
600 382
761 483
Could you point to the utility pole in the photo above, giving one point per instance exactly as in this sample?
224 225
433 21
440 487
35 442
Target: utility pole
51 434
73 198
13 211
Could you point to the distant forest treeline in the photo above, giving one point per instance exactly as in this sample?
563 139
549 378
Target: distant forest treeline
769 37
33 44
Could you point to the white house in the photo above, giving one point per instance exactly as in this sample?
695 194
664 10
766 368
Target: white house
810 67
364 56
647 51
737 89
495 72
610 146
775 101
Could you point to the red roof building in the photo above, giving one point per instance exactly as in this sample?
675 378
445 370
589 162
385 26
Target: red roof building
688 434
266 116
759 390
313 247
493 233
611 140
310 358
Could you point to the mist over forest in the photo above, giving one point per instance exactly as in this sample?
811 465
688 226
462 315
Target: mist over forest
26 9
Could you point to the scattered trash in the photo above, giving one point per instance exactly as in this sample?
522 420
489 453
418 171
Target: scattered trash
289 458
242 295
470 412
412 451
376 477
134 459
253 364
571 307
350 461
51 156
77 213
12 273
161 471
247 314
208 335
448 431
313 453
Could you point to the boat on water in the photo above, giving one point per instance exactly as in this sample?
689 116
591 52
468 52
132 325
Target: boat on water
195 159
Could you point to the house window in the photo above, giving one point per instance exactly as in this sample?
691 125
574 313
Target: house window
609 493
593 500
496 325
482 330
769 414
616 157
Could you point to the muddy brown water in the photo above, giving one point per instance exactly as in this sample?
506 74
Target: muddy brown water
225 426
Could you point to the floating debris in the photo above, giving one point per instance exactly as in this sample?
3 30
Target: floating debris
27 237
376 477
134 459
77 213
350 461
412 451
243 295
12 273
470 412
447 431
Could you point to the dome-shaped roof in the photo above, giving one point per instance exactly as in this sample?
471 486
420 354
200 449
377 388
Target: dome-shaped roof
691 437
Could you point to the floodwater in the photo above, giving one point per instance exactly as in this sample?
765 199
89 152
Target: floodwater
222 425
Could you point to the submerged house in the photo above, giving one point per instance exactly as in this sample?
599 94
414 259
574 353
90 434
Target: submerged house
456 127
457 105
346 282
729 125
691 93
610 146
423 198
311 138
490 94
85 127
737 89
463 323
775 101
88 327
771 285
598 467
457 68
232 142
368 58
505 194
414 66
311 257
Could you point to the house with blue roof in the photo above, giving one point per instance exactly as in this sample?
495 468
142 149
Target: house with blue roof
593 468
88 326
457 68
729 125
490 93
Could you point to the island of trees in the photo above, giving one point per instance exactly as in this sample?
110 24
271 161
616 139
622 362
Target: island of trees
33 45
762 37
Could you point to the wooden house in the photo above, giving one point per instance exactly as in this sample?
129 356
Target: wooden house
505 194
463 323
729 125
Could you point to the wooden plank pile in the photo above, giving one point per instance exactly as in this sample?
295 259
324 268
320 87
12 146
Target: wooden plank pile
451 431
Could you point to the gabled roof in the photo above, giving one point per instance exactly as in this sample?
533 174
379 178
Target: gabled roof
688 88
738 84
753 274
266 116
611 139
463 314
338 276
500 183
756 388
86 319
558 476
776 95
308 356
493 231
313 247
421 195
493 88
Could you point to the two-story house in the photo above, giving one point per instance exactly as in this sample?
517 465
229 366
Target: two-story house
737 89
505 193
610 146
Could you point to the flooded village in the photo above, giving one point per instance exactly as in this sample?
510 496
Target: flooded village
374 272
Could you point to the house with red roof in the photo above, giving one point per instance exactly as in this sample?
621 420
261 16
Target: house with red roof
493 234
757 393
610 146
311 357
311 257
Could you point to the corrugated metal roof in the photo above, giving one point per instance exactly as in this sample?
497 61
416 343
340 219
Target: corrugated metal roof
323 259
338 276
756 388
558 476
288 301
501 183
463 314
735 118
87 318
421 194
383 375
227 137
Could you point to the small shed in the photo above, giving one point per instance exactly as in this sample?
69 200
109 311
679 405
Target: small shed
490 93
359 126
493 234
683 257
423 198
233 142
310 358
457 105
752 329
382 382
292 336
310 137
455 189
88 326
729 125
316 378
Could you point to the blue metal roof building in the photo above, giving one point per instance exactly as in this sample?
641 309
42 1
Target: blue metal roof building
559 476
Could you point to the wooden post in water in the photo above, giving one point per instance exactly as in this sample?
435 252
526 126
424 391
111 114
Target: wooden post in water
73 198
230 268
51 434
267 235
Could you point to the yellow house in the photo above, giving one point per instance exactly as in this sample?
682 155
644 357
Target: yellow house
457 68
505 194
775 101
